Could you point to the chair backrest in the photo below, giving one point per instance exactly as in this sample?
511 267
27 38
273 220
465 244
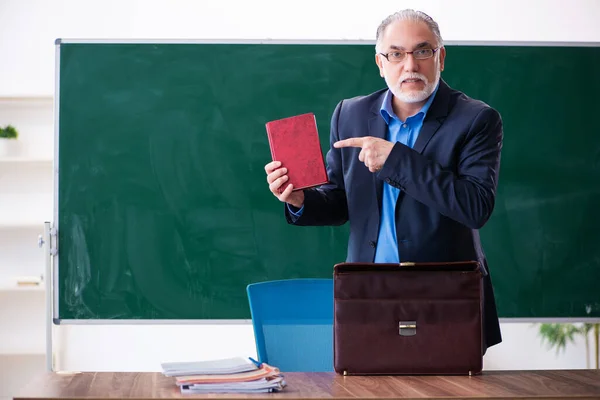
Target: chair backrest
293 323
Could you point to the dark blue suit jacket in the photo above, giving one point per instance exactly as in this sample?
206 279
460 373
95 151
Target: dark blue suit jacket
448 185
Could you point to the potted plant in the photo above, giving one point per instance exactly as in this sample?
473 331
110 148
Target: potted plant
559 335
7 135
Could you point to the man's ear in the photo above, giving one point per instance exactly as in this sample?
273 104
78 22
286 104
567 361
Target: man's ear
379 62
442 58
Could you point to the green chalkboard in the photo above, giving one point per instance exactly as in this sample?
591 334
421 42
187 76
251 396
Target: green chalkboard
163 207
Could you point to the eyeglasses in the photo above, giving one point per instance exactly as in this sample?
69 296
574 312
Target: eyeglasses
400 56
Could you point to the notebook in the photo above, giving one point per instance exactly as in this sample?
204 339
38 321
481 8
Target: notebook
227 375
221 366
295 142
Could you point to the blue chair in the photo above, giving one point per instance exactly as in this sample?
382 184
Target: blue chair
293 323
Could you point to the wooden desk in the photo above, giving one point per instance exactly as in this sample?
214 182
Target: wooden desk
553 384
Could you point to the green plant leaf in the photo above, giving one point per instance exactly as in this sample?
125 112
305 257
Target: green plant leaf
8 132
558 335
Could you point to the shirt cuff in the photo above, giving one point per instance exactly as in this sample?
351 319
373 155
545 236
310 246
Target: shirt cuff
296 212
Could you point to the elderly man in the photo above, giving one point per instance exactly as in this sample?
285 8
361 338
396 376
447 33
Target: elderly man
413 167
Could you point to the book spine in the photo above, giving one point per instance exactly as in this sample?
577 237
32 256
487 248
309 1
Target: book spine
271 147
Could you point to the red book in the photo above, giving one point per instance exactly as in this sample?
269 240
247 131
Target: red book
295 142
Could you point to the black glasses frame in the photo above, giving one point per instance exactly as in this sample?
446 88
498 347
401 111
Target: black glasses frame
409 52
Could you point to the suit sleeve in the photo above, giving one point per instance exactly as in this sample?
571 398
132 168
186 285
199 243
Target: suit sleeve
326 205
466 195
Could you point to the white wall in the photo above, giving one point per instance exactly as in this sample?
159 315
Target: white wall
144 347
28 29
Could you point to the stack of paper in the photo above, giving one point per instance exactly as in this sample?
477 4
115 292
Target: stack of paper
236 374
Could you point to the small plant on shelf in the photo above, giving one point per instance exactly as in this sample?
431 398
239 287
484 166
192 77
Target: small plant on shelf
8 144
8 132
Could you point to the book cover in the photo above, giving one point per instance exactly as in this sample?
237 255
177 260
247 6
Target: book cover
294 141
231 365
265 371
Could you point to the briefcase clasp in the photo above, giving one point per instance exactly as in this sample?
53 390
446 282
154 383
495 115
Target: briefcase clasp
407 264
407 328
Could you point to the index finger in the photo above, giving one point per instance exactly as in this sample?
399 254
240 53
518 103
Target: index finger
352 142
273 165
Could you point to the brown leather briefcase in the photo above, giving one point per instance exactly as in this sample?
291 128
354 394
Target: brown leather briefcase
408 318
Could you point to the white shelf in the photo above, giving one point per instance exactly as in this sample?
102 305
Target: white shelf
26 202
25 224
11 285
37 227
8 289
10 160
26 344
11 354
25 99
25 209
23 316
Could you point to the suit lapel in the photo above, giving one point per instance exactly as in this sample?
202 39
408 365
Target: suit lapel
377 127
429 128
434 118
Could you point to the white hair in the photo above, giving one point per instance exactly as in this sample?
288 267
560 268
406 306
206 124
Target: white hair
409 15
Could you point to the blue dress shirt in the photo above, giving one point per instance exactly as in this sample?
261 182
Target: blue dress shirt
405 132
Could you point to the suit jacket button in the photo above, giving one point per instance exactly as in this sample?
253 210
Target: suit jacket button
373 243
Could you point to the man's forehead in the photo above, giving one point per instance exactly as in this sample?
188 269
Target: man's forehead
407 34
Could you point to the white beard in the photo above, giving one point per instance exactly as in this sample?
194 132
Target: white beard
413 96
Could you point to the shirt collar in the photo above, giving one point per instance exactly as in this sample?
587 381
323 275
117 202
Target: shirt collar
387 111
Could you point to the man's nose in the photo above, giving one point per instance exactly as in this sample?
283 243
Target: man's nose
410 64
